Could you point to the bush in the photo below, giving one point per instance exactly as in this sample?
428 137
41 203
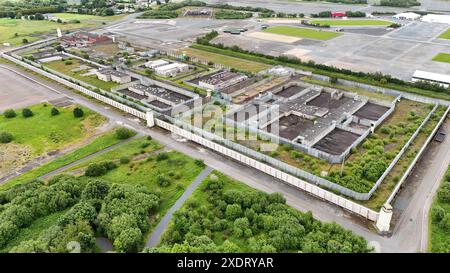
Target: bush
10 113
124 160
54 112
99 169
163 181
199 163
78 112
68 62
26 113
5 137
437 214
162 156
124 133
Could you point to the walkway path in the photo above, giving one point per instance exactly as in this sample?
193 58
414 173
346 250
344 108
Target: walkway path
154 238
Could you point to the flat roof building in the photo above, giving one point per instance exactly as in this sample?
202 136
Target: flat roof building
407 16
221 80
113 75
442 79
172 69
155 64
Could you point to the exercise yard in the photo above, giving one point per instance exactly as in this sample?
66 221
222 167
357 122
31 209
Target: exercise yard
351 22
303 32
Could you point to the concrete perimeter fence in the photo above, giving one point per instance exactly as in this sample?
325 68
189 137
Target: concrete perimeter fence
135 112
196 136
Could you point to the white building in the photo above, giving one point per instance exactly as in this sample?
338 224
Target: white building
221 80
436 18
172 69
411 16
113 75
155 64
441 79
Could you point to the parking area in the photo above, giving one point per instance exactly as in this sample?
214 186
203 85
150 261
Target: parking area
18 92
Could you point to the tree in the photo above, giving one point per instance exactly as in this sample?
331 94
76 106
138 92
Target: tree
10 113
24 41
437 213
26 113
7 231
5 137
54 111
129 240
120 223
233 211
444 193
78 112
96 189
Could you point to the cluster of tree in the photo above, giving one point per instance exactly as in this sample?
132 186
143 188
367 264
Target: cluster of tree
99 169
399 3
318 25
355 14
343 1
281 15
260 222
124 133
322 14
376 78
159 14
440 212
119 212
328 14
22 204
231 14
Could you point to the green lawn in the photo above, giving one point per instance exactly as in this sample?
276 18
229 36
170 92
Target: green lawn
303 32
64 68
43 132
98 144
30 29
442 57
34 230
240 64
351 22
445 35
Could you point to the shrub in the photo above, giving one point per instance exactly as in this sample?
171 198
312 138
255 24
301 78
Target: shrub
149 138
124 160
162 181
124 133
68 62
99 169
437 214
54 112
5 137
162 156
78 112
26 113
10 113
199 163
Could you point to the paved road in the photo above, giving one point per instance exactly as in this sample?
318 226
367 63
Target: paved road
404 239
154 238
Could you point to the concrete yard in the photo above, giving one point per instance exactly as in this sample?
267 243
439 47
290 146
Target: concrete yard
371 111
14 95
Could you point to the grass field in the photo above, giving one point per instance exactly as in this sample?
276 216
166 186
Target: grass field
302 32
31 30
100 143
61 67
351 22
442 57
439 232
240 64
37 135
445 35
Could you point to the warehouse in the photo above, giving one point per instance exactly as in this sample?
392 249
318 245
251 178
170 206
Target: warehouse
171 70
220 80
411 16
155 64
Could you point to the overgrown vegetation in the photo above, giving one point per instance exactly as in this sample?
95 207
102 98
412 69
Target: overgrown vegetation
230 14
226 216
440 218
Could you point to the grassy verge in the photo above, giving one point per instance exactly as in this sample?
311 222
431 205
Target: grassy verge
351 22
445 35
442 57
302 32
98 144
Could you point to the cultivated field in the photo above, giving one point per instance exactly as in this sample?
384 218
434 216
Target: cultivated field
351 22
302 32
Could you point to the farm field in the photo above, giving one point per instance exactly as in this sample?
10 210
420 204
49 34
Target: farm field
351 22
442 57
445 35
302 32
42 133
232 62
439 224
224 215
64 68
32 29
